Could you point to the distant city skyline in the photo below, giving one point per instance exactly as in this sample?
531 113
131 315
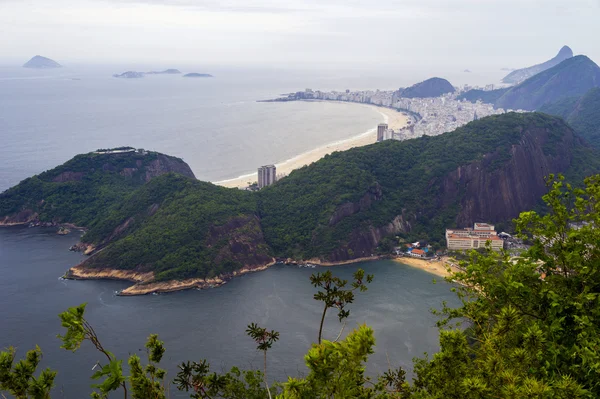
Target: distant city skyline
358 33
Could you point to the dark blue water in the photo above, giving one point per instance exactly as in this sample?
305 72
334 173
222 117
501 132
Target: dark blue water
202 324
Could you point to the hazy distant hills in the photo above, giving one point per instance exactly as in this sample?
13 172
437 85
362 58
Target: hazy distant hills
433 87
571 78
39 62
137 75
520 75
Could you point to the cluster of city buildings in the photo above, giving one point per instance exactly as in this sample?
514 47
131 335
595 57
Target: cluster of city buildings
473 238
429 116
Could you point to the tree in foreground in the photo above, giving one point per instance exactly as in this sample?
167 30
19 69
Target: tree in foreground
528 327
533 322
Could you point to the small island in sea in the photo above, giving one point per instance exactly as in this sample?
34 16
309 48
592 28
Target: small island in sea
171 71
197 75
129 75
39 62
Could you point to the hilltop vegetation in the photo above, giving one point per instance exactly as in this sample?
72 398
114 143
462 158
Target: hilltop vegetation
582 113
78 190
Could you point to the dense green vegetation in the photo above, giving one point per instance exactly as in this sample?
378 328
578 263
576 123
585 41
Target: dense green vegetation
571 78
527 327
170 228
178 227
486 96
409 174
582 114
433 87
78 190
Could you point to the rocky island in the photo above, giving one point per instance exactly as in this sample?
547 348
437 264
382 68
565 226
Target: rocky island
197 75
151 222
39 62
129 75
165 72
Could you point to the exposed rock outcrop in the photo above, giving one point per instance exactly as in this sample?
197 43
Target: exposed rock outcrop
165 164
501 194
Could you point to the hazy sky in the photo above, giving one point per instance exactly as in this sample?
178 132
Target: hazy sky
511 33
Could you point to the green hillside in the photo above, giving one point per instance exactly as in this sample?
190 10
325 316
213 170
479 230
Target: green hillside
338 208
87 184
582 113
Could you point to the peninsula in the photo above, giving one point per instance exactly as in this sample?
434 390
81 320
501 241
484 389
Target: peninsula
151 222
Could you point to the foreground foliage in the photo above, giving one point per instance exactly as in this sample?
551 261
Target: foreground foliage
528 327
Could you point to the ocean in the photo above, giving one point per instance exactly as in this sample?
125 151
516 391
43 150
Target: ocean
216 126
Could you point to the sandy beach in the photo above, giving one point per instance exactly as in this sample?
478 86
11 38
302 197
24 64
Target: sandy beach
395 120
438 267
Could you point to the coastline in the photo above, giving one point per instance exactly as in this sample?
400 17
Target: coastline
144 283
437 267
395 120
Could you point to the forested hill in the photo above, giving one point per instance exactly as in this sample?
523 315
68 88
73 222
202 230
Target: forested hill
339 208
581 113
433 87
78 190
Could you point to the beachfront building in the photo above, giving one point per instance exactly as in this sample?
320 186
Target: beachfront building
477 237
381 128
417 253
267 175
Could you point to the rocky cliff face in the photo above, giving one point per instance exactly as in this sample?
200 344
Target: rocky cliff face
517 185
165 164
495 188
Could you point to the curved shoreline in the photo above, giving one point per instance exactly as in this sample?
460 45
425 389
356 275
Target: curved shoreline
144 283
395 120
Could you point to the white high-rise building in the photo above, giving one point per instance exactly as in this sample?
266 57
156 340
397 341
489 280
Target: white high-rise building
267 175
381 128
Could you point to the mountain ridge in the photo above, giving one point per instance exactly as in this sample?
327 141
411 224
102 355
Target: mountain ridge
519 75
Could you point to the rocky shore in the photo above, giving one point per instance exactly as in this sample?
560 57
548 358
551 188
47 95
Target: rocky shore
144 281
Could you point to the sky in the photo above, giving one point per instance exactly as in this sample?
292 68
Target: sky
316 33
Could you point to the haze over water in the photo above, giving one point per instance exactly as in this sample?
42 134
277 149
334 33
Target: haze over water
214 124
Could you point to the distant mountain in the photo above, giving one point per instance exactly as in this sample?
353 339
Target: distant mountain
571 78
165 72
129 75
582 114
433 87
197 75
39 62
519 75
486 96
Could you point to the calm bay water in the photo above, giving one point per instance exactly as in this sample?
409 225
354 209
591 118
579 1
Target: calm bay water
202 324
215 125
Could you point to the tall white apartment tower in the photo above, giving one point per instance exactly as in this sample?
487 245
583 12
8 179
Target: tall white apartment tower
381 128
267 175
